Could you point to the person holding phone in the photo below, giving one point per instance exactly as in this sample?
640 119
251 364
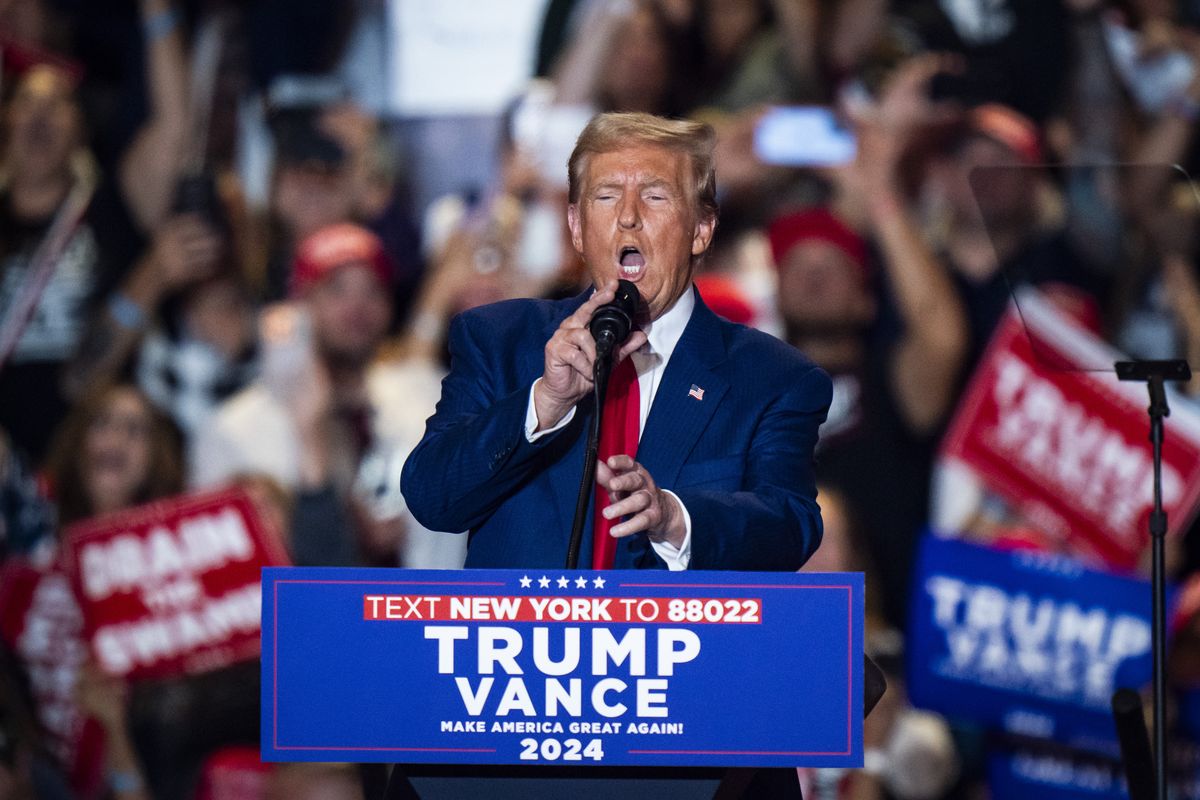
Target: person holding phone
865 296
323 420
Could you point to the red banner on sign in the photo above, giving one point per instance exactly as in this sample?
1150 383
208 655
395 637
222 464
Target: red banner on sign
452 608
1069 448
42 624
173 587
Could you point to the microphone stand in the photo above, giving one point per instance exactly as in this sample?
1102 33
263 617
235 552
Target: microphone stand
601 369
610 326
1154 374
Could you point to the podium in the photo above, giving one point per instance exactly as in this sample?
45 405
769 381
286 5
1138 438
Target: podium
613 680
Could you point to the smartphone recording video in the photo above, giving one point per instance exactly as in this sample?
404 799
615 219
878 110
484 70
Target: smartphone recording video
285 336
803 136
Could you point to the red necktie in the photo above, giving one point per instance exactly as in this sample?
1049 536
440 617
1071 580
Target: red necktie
618 435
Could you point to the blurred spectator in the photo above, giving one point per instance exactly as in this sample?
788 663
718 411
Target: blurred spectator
997 38
26 518
113 451
150 165
1155 312
991 202
50 259
623 57
894 379
333 163
25 22
909 754
203 354
1181 293
740 57
106 700
65 236
314 782
182 302
514 242
725 298
20 740
183 315
312 187
324 422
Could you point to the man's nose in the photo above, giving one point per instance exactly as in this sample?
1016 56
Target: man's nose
630 215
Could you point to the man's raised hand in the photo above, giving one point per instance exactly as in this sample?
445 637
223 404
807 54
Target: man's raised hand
569 356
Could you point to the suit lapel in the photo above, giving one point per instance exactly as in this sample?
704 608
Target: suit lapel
677 417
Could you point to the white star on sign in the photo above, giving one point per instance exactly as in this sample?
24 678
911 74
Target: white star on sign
581 582
544 582
526 582
563 583
598 582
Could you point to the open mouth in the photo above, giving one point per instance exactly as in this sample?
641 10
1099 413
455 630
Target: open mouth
632 262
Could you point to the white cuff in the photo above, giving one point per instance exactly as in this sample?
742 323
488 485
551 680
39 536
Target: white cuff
677 558
532 434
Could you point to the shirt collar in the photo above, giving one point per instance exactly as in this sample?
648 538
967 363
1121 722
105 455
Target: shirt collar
664 333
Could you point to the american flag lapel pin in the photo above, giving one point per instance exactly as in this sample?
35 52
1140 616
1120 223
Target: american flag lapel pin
696 392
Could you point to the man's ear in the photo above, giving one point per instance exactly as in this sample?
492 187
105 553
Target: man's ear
702 235
576 229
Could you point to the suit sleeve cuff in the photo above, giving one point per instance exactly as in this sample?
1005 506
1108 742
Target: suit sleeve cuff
677 558
532 434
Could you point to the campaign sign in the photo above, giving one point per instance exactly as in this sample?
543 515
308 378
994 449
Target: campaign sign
172 587
1068 447
558 667
1033 772
1027 642
1037 774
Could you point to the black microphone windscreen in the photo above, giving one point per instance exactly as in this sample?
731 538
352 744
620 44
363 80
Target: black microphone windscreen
612 322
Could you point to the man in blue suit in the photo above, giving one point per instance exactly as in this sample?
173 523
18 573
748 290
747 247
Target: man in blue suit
722 475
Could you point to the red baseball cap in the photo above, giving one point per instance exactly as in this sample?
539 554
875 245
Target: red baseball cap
336 246
789 230
725 298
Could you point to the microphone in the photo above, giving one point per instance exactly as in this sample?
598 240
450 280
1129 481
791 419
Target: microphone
612 322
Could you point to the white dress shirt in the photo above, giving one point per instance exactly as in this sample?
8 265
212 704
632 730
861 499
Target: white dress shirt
650 361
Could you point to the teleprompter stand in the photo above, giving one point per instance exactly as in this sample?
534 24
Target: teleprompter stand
1154 374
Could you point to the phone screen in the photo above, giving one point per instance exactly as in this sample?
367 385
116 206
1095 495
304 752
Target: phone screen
285 338
803 136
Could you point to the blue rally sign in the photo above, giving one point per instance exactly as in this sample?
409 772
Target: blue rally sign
1030 643
1033 772
562 667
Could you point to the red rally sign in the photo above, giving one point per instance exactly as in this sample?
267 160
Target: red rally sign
1069 447
173 587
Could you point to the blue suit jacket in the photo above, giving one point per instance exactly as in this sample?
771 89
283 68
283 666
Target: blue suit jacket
740 458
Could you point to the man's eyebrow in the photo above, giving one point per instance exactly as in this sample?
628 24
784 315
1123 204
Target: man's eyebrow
648 183
657 183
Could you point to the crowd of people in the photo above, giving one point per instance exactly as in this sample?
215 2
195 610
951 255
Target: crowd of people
179 311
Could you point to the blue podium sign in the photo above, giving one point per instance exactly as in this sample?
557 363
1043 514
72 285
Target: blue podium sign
617 668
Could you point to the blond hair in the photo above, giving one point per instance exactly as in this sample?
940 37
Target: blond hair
607 133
